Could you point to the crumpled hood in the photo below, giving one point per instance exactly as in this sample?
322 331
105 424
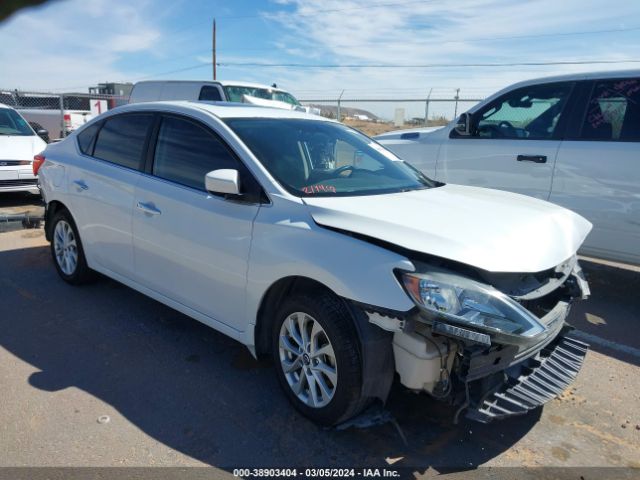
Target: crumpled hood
489 229
18 147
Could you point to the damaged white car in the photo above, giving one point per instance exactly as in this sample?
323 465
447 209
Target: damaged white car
307 241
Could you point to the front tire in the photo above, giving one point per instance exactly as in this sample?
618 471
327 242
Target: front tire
316 350
66 250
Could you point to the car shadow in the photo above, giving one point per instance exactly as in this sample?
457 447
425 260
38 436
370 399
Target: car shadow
201 393
610 314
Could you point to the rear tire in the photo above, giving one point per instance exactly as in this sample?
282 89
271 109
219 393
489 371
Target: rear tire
66 250
316 350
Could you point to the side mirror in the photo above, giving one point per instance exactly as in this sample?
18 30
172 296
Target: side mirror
43 133
225 181
463 125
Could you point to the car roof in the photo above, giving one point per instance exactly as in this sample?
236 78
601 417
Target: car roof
226 109
224 83
581 76
233 83
2 105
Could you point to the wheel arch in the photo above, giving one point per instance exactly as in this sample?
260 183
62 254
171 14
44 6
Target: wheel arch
271 299
375 344
53 207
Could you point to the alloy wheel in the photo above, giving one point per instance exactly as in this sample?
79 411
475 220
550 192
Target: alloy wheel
307 360
65 247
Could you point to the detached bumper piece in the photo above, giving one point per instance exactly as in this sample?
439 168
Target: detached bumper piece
533 382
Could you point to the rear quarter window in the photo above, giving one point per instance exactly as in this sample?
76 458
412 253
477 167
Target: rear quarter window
85 138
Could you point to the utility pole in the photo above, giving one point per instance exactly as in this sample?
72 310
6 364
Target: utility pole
213 48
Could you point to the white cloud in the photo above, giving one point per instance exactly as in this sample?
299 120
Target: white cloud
442 32
73 44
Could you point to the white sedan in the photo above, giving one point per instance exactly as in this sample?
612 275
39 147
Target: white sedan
307 241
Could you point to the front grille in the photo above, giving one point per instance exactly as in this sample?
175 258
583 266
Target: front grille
533 382
12 163
24 182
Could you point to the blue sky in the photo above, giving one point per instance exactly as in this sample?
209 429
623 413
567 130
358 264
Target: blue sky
71 44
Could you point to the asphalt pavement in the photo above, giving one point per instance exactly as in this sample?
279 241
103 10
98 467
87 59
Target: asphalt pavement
101 375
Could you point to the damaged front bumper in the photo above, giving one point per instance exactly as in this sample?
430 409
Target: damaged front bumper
482 376
530 383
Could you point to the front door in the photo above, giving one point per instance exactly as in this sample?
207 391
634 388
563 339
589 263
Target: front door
514 143
189 245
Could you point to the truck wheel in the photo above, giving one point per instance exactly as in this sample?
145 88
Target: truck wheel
317 356
66 250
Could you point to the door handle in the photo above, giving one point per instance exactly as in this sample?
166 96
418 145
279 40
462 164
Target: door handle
532 158
148 208
81 185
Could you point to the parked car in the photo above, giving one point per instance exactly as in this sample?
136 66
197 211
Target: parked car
217 91
19 143
343 274
573 140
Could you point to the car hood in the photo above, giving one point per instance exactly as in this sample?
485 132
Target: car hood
18 147
488 229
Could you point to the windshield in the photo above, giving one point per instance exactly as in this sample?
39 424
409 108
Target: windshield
234 94
319 158
11 123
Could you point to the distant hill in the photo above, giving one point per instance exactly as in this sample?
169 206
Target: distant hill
332 110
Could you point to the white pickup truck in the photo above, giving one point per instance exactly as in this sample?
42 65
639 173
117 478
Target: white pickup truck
59 123
573 140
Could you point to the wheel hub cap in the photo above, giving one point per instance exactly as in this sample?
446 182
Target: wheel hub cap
308 360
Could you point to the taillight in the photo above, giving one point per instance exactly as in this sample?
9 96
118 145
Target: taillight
67 121
38 160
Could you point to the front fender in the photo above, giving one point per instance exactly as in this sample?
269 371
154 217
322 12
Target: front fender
286 242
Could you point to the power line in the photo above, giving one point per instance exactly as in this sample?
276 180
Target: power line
425 65
408 42
390 66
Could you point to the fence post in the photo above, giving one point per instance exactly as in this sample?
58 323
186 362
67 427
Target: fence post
339 98
62 133
455 113
426 109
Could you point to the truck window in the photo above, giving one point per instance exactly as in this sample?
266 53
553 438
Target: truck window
210 93
613 112
526 113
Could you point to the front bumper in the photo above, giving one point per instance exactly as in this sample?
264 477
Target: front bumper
528 384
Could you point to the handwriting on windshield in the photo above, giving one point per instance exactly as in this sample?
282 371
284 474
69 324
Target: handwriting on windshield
312 189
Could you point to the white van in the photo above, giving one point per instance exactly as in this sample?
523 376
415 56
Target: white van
216 91
19 143
573 140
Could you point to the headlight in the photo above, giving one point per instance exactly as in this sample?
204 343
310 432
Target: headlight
468 303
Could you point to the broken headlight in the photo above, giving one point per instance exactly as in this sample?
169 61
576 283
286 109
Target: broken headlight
462 301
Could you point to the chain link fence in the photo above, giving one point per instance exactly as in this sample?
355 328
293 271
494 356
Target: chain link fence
58 114
61 113
395 112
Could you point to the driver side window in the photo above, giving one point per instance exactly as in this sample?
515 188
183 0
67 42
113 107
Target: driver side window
529 113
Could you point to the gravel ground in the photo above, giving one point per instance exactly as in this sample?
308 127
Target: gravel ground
103 376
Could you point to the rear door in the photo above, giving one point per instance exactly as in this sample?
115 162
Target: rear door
101 187
514 145
191 246
598 168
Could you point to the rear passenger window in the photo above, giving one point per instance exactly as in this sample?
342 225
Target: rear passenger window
613 112
210 93
121 139
85 138
186 152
